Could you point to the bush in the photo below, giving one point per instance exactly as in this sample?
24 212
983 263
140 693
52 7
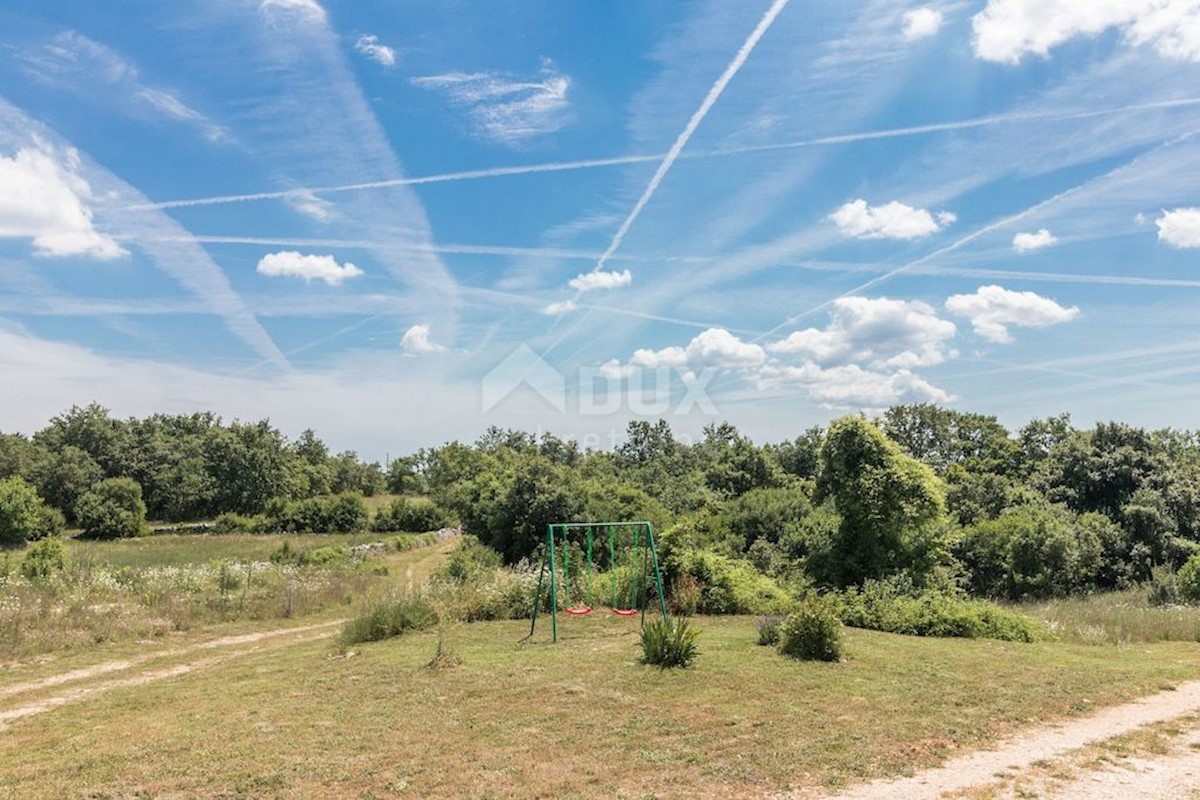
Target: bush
667 644
231 522
343 513
727 585
113 510
43 559
1164 587
768 629
1187 580
811 633
51 523
896 607
389 617
19 512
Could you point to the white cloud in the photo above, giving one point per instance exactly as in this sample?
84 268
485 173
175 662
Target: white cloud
894 220
505 108
290 264
1180 228
920 23
715 347
885 332
45 199
308 204
993 309
417 340
77 63
600 279
381 54
851 386
305 9
1006 30
1024 242
556 309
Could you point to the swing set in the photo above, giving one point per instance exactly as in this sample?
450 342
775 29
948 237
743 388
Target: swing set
636 539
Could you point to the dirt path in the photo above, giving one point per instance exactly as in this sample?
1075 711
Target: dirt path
977 770
238 645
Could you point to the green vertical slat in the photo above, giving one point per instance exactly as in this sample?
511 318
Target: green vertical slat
662 599
553 584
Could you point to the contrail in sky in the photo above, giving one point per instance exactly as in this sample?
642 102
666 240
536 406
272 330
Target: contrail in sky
616 161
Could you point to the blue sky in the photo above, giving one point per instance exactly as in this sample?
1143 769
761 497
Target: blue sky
399 223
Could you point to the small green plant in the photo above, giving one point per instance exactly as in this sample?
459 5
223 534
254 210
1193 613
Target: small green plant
768 629
1164 587
43 559
667 644
811 633
388 617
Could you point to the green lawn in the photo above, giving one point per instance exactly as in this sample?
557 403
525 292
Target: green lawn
581 718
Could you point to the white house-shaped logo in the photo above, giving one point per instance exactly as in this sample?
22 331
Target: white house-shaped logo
524 367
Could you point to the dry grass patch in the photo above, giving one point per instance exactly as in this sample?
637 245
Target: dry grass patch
581 718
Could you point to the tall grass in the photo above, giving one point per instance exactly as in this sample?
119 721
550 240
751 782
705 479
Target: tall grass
1117 618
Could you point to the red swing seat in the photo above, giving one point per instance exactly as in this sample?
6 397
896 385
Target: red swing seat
625 612
579 611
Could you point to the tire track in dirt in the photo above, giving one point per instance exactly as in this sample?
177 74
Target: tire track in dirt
293 636
980 768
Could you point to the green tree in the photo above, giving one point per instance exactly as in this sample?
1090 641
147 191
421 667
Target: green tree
113 510
66 476
20 512
890 504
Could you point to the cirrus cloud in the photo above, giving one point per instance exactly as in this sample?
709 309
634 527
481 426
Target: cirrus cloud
992 310
290 264
381 54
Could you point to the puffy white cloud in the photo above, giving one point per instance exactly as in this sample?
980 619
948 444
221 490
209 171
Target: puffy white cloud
1006 30
381 54
505 108
290 264
993 309
43 198
561 307
1180 228
715 347
894 220
851 386
885 332
920 23
1024 242
417 340
600 279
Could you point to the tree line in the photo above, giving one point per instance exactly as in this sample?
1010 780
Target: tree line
922 493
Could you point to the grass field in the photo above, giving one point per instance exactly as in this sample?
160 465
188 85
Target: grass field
581 718
173 550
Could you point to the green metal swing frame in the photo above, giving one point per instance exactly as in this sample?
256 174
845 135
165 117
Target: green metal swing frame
550 565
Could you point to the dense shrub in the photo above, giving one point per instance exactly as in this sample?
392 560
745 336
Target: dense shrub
811 633
343 513
113 510
51 523
895 608
231 522
43 559
667 644
1164 587
1187 580
727 585
19 512
416 516
768 629
388 617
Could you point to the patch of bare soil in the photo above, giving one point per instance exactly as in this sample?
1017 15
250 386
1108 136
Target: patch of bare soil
1179 772
238 645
